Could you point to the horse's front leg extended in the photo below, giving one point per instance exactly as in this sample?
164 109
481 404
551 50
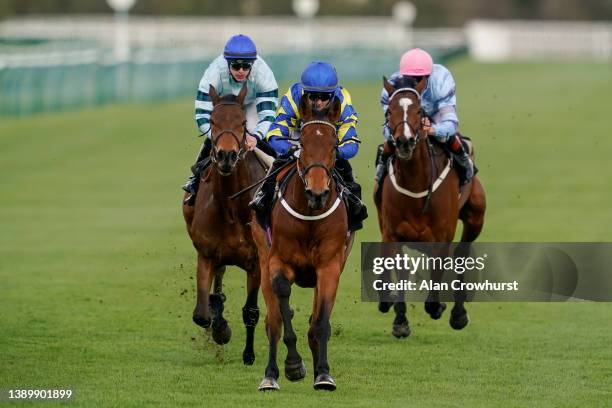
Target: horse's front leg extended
273 328
320 327
432 304
250 314
281 285
221 331
205 275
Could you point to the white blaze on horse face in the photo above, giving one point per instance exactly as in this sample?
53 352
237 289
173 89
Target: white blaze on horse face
405 103
319 133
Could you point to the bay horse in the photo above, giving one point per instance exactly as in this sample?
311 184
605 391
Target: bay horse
310 245
422 200
220 228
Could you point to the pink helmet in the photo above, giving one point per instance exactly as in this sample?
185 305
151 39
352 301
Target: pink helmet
416 62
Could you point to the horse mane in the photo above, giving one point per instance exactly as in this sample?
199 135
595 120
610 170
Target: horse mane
228 98
405 82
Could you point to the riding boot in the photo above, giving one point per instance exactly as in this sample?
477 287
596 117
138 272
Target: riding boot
357 211
262 200
466 168
383 153
202 162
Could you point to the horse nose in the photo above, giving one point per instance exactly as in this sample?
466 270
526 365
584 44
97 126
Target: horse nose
405 146
316 200
227 158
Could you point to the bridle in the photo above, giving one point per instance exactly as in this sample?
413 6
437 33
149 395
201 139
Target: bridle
304 170
418 131
433 184
302 173
216 137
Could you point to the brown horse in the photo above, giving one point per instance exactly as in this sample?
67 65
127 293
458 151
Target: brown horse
422 200
309 247
220 228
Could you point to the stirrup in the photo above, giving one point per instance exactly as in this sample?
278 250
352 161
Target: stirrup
256 203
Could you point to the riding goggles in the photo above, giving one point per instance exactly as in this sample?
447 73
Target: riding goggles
323 96
236 65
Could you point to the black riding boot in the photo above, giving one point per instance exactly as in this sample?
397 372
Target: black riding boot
466 168
357 211
263 197
202 162
383 153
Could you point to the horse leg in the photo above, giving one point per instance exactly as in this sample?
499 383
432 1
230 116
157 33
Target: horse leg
347 247
273 330
327 285
473 211
205 275
218 282
384 305
294 366
221 332
433 306
312 338
472 216
250 314
401 327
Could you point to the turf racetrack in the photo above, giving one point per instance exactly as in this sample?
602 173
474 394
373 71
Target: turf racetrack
97 271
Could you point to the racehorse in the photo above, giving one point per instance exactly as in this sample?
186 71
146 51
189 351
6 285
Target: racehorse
422 200
310 244
220 228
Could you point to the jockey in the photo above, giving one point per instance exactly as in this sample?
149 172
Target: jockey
239 64
439 103
319 82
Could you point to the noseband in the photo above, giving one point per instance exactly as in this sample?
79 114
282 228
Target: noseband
216 137
302 172
418 131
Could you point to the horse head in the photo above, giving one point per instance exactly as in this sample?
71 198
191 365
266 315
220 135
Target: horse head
405 114
319 142
228 129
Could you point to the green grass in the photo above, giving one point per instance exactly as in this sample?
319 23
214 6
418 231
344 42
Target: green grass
96 268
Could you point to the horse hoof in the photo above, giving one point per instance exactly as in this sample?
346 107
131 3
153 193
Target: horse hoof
435 309
459 322
295 371
268 384
201 321
401 330
221 332
384 307
324 382
248 357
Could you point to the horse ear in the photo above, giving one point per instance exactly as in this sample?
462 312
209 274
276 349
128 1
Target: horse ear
214 96
242 94
335 111
387 85
305 107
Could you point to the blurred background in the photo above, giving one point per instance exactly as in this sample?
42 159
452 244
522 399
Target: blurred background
65 54
97 136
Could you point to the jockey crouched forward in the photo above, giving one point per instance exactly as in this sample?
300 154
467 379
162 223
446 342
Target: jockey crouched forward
437 88
319 82
238 65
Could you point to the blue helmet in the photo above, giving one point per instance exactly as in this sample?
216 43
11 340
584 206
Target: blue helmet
240 47
319 77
